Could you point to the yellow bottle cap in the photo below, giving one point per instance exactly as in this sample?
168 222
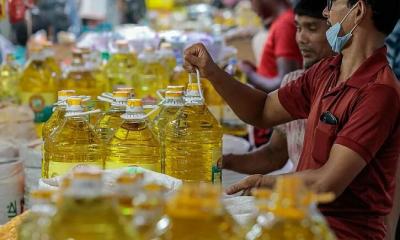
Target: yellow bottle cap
44 194
173 94
126 89
135 103
74 101
86 174
66 93
121 94
176 88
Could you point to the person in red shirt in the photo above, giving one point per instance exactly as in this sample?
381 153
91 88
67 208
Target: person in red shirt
281 54
352 105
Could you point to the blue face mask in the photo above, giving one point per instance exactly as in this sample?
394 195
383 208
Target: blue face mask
338 43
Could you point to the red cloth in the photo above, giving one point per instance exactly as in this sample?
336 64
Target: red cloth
281 42
368 109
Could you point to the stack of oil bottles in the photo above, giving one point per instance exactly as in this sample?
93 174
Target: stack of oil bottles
82 209
145 110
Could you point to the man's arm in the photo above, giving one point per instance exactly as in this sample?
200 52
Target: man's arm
339 171
253 106
285 66
270 157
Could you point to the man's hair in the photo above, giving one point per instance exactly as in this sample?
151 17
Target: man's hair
386 13
310 8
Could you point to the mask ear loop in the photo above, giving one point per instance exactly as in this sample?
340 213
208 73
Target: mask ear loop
355 5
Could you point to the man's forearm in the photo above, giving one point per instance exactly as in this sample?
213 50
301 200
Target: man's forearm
246 102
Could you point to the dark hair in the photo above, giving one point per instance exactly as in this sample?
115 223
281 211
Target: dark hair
385 13
310 8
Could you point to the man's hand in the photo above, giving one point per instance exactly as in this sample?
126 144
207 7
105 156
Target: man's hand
247 184
198 57
247 67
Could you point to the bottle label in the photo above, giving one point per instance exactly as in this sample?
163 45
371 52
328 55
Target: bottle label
40 103
216 175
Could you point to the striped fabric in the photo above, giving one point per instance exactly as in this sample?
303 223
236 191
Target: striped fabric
393 45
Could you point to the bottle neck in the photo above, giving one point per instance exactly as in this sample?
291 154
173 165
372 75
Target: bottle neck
43 207
174 102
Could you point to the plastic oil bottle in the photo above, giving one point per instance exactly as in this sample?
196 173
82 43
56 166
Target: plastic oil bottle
134 143
150 76
58 113
121 67
172 103
286 214
149 218
9 75
231 123
168 58
37 88
180 75
35 226
213 100
80 78
86 213
73 142
50 61
128 188
193 141
197 211
111 120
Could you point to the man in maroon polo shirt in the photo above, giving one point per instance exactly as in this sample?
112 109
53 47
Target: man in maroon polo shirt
352 102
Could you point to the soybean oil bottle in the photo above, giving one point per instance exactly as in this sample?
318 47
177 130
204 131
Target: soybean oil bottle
58 113
37 88
196 213
120 68
50 61
230 122
9 78
36 224
286 214
128 187
179 75
80 78
73 142
150 76
168 58
133 142
111 120
171 104
86 213
193 141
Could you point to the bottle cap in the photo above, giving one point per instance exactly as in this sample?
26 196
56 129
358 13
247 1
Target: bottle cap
135 102
176 88
74 101
173 94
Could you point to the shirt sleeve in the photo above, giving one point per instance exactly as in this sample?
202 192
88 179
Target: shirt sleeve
285 41
373 119
296 95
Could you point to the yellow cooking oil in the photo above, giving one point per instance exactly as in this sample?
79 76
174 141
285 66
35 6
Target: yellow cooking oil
173 101
213 100
58 113
128 187
86 213
193 141
231 124
180 75
9 78
73 142
111 120
134 143
286 214
95 63
150 76
35 225
80 78
168 58
37 88
120 68
50 61
197 211
149 211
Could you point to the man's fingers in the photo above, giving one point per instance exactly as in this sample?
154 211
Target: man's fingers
235 188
